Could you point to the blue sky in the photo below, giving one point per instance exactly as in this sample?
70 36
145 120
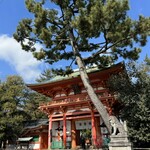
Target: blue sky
14 61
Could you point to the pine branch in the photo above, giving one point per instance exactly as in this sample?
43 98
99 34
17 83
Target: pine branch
55 23
105 48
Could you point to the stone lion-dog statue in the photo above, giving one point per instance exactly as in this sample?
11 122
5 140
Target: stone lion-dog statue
118 126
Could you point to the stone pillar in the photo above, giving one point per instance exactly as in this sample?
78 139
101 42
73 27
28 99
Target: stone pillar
73 134
119 142
93 128
50 132
64 130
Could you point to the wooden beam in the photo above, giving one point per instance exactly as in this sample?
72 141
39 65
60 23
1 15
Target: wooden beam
75 117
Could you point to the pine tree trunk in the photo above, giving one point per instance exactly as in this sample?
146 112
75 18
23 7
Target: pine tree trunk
86 82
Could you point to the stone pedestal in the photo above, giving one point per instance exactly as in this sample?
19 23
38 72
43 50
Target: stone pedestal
119 142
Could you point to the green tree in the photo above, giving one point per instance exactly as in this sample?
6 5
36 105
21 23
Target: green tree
11 108
133 91
34 99
32 102
17 104
45 76
84 32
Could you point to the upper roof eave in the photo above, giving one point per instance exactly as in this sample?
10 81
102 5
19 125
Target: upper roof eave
57 79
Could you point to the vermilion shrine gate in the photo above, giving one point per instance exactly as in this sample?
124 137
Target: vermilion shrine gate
71 113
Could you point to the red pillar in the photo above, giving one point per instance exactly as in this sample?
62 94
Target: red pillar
64 130
98 131
50 132
73 134
40 141
93 128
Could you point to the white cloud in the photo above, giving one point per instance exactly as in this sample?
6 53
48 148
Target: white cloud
23 62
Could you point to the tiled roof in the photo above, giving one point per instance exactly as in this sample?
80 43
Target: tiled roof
75 74
35 123
25 139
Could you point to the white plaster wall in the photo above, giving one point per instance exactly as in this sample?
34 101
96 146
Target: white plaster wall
55 132
34 146
68 128
83 124
54 126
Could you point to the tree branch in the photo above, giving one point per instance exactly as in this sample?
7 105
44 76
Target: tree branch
34 40
104 49
54 23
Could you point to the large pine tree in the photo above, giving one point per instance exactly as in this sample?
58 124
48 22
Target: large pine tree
84 32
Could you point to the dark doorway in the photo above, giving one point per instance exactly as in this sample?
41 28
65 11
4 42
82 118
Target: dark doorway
78 137
83 138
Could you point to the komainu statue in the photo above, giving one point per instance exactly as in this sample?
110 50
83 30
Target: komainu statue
119 127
